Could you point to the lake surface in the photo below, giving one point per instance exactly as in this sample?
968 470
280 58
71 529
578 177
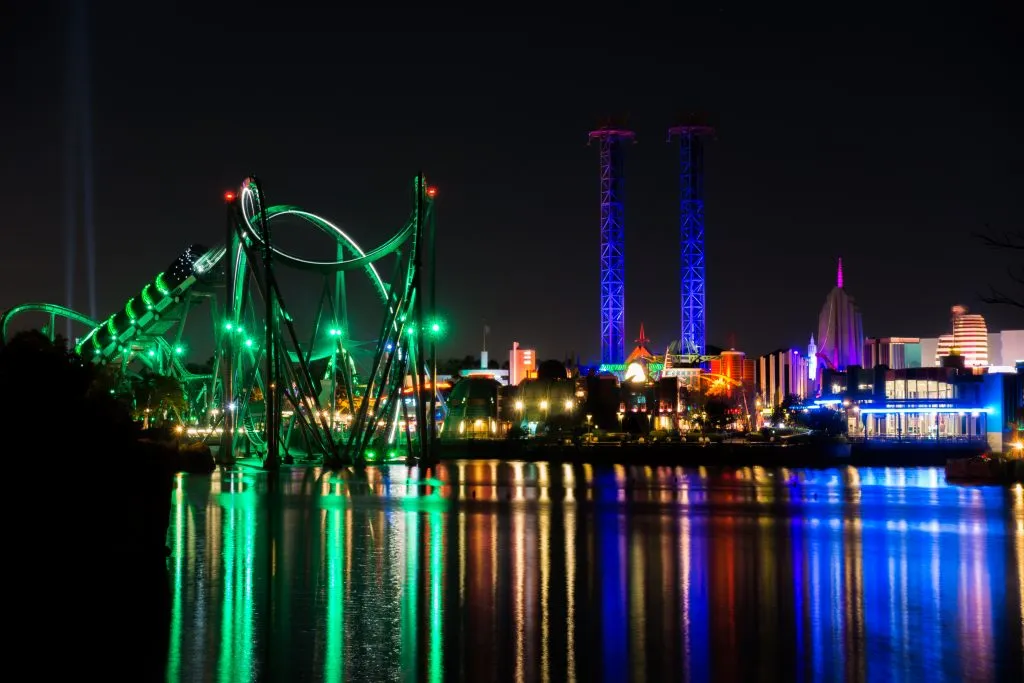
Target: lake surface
487 571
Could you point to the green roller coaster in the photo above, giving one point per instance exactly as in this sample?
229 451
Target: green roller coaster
263 393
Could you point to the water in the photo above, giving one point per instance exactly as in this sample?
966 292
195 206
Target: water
529 572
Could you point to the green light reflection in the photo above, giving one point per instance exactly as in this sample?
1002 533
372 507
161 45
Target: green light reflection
410 594
436 657
334 659
177 560
239 534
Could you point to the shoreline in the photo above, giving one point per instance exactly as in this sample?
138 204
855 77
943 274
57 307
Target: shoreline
820 455
826 454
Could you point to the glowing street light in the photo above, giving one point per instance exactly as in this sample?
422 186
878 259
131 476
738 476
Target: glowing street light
435 328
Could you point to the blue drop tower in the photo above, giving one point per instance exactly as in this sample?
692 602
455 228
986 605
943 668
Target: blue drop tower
611 142
693 337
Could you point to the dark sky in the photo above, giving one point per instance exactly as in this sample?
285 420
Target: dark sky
880 138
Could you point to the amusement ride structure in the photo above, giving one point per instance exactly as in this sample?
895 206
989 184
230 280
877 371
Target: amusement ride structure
611 141
272 385
693 337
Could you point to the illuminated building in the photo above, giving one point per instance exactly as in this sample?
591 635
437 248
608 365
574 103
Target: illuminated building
812 360
538 401
472 409
500 376
522 364
729 364
929 406
640 352
781 373
893 352
943 348
1006 348
840 331
735 366
969 339
640 360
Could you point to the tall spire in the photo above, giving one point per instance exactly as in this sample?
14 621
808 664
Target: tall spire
839 274
642 341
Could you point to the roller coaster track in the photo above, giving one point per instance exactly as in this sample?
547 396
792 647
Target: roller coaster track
58 311
137 331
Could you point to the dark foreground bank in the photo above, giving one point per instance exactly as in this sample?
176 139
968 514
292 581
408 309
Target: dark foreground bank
87 513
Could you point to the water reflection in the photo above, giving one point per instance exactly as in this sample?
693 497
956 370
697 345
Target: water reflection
534 572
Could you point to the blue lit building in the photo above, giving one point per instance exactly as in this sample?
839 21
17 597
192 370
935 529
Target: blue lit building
937 405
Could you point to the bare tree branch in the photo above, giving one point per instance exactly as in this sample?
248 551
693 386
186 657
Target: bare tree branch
1008 240
1018 278
1013 241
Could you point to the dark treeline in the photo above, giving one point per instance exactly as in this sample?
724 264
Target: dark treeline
88 508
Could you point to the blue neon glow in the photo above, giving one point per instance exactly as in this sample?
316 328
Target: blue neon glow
613 248
691 236
927 409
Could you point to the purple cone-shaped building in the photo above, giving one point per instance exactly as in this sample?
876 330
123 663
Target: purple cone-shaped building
840 330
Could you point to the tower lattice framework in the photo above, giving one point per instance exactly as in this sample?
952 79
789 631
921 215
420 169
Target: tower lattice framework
693 305
611 143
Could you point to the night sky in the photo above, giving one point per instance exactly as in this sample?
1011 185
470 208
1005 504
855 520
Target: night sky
882 139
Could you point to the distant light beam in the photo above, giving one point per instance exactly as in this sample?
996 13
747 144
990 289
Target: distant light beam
85 120
78 161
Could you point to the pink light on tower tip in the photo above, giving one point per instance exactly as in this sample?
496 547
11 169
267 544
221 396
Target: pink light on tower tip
839 274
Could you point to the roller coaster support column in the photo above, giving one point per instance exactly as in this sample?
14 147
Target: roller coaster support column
417 367
273 380
340 322
229 435
431 193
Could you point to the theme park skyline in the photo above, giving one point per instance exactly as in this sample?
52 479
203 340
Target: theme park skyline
803 168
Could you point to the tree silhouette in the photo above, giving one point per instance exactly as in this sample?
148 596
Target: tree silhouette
157 396
1013 242
46 385
782 412
95 544
552 370
717 413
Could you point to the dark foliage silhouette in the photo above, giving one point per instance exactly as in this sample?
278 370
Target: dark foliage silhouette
92 509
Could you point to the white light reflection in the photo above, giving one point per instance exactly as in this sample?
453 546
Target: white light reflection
544 521
570 588
519 584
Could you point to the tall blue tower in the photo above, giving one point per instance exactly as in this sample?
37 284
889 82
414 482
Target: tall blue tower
611 143
693 337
